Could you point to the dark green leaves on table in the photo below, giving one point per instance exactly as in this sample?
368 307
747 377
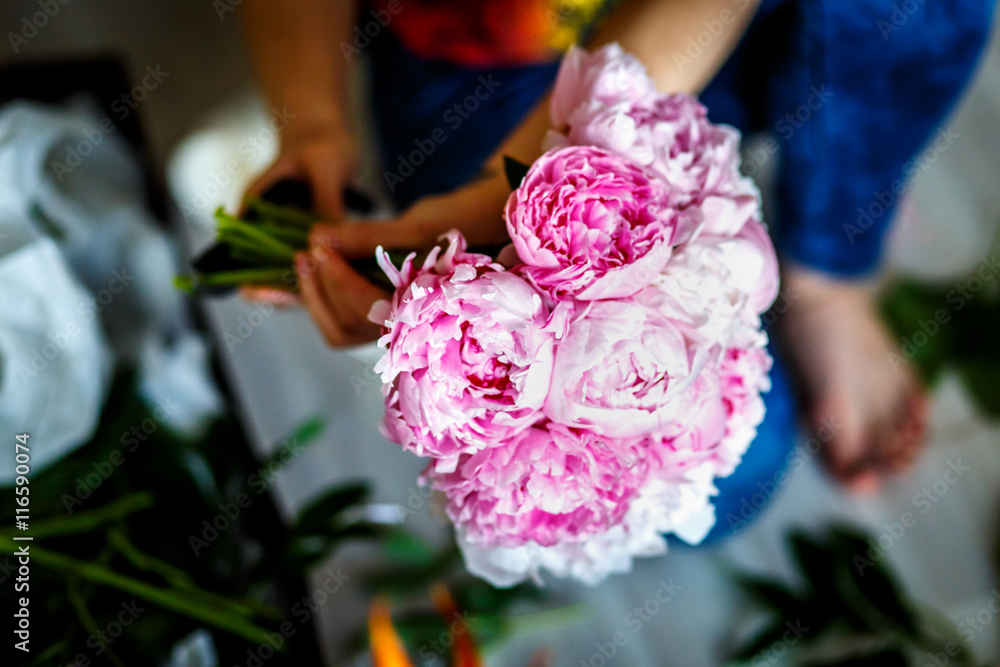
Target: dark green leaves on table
847 602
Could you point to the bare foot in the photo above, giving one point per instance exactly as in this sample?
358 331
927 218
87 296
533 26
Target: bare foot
839 351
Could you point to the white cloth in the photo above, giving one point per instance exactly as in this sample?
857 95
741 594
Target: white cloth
79 253
56 363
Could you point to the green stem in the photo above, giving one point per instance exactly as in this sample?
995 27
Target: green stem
88 622
175 576
294 237
245 276
228 223
283 214
47 656
179 579
168 599
235 239
89 520
253 257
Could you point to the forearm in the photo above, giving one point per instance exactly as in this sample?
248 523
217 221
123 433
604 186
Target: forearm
654 31
658 33
294 49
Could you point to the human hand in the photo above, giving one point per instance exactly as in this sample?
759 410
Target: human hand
339 298
324 156
874 412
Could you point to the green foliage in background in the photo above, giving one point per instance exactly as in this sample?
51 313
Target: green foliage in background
847 609
952 328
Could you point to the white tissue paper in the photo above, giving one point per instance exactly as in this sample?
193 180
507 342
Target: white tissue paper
86 253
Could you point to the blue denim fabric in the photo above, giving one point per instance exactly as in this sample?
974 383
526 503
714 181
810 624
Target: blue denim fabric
852 91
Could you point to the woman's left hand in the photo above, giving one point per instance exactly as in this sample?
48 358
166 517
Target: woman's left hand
339 298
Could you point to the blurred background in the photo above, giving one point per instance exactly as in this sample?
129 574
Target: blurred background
255 385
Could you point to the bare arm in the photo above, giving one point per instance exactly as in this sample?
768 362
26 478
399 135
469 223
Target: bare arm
653 30
294 47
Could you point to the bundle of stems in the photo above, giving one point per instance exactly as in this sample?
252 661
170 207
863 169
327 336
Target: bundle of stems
258 248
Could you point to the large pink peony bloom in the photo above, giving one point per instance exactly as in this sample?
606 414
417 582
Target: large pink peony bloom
590 225
677 503
469 356
622 369
669 134
606 77
720 416
547 485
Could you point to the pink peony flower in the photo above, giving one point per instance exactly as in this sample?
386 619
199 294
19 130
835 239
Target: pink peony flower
719 284
606 77
579 396
547 485
678 504
590 225
469 357
622 368
605 99
754 264
745 377
720 417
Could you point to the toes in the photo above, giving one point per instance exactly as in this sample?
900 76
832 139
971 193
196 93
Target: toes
865 483
844 449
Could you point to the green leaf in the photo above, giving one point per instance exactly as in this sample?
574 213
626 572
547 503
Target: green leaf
875 583
303 436
171 599
764 639
770 592
321 514
886 657
401 546
982 381
305 551
814 560
514 171
91 519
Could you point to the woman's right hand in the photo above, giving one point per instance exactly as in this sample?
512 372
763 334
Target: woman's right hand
323 155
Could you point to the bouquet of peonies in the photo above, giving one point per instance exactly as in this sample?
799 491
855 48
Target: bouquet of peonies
578 396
